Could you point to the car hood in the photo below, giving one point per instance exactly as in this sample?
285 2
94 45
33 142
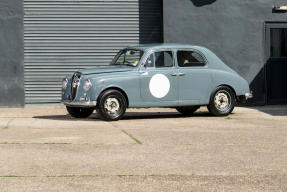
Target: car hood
106 69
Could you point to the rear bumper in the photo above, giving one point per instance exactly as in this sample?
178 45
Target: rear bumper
243 98
248 96
80 104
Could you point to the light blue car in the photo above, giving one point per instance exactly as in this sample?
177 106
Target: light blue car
183 77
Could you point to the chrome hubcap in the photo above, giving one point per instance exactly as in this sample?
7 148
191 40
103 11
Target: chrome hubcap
112 105
221 101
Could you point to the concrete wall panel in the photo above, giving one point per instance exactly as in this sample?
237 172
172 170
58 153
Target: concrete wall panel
11 53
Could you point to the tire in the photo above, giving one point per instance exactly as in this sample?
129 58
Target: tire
112 105
79 112
187 110
222 101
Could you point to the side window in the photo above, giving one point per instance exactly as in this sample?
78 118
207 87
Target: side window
163 59
190 59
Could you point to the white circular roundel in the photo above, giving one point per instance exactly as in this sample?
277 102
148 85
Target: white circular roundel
159 85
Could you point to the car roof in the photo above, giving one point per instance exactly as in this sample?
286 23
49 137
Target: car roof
164 46
216 63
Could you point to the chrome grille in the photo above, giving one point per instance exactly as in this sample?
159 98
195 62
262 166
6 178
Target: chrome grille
75 84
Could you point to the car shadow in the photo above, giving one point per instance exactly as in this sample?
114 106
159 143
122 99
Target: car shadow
65 118
200 3
128 116
274 110
162 115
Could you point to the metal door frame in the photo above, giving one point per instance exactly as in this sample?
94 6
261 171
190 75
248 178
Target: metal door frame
268 27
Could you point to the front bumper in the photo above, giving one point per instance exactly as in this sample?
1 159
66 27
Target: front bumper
80 104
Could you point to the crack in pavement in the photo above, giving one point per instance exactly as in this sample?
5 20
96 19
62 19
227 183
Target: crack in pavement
139 175
7 124
19 143
132 137
94 175
128 134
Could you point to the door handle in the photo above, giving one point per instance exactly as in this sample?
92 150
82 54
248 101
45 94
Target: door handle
177 74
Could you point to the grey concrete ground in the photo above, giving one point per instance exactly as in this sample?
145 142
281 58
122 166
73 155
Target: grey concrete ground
43 149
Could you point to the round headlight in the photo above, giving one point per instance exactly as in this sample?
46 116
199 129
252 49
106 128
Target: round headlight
87 85
64 84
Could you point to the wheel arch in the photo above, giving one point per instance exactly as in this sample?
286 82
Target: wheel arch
230 87
118 89
224 85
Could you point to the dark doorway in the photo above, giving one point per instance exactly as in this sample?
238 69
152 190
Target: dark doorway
150 21
276 66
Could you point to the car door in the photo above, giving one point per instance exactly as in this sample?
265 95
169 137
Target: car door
158 81
194 78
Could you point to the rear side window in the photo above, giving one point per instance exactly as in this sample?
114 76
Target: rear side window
190 59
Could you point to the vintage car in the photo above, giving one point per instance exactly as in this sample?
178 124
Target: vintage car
183 77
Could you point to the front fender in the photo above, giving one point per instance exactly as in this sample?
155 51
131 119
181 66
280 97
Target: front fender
129 84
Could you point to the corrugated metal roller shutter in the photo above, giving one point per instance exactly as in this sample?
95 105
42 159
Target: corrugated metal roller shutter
62 36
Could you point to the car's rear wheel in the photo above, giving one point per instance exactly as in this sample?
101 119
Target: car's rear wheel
79 112
222 101
187 110
112 105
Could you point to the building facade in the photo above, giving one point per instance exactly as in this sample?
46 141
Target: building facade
249 36
43 40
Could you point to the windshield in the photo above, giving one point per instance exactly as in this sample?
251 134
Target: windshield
128 57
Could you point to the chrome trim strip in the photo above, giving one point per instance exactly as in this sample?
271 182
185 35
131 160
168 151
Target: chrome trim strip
74 90
80 104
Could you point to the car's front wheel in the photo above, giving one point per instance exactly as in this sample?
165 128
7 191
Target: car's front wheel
112 105
222 101
79 112
187 110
